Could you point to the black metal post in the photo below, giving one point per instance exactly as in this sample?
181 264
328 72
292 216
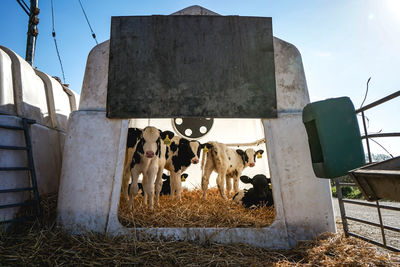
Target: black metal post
366 137
341 207
32 31
26 123
378 102
381 223
370 160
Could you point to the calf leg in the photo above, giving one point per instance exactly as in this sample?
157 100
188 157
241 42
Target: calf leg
205 178
126 173
158 184
220 183
236 183
228 185
148 185
221 167
145 191
134 186
172 184
178 185
175 184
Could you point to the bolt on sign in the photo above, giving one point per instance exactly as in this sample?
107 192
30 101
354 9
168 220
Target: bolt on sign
191 66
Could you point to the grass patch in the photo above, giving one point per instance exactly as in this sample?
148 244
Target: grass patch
348 192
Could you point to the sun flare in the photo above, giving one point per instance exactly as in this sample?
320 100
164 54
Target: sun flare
394 7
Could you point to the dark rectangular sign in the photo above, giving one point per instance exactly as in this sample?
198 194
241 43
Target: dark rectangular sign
191 66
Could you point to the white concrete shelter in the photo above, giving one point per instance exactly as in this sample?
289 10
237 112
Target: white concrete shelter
94 154
26 92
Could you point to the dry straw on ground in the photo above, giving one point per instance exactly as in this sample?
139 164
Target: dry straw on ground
193 211
41 243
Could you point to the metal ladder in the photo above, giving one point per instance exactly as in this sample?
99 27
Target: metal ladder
30 168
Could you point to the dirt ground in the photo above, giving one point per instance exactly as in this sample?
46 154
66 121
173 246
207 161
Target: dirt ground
389 217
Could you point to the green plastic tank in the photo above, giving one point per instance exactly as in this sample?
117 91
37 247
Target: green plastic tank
333 136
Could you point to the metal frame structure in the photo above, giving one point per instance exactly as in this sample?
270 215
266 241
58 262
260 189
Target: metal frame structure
344 217
30 169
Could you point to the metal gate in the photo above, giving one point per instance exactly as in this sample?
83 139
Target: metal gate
376 204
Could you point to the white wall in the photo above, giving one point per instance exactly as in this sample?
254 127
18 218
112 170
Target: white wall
6 85
29 90
58 101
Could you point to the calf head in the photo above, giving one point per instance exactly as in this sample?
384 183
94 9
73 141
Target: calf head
195 147
260 184
188 151
150 141
249 156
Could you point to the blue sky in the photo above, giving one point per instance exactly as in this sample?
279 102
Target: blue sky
342 42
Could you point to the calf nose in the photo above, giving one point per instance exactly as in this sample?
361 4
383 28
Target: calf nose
195 160
149 154
252 164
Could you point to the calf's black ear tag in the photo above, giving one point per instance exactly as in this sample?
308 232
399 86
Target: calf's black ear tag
167 141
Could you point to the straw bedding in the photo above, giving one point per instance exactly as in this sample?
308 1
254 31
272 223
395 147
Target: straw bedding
41 243
193 211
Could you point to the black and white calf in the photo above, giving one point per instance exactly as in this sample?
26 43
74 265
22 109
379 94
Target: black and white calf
228 163
259 195
148 159
134 134
180 154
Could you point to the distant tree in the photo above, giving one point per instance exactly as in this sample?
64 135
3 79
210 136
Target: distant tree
377 157
353 192
343 179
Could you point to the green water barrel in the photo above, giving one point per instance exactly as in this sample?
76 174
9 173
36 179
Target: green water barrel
333 136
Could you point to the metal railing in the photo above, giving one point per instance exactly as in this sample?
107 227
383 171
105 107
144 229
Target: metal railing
30 168
378 206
